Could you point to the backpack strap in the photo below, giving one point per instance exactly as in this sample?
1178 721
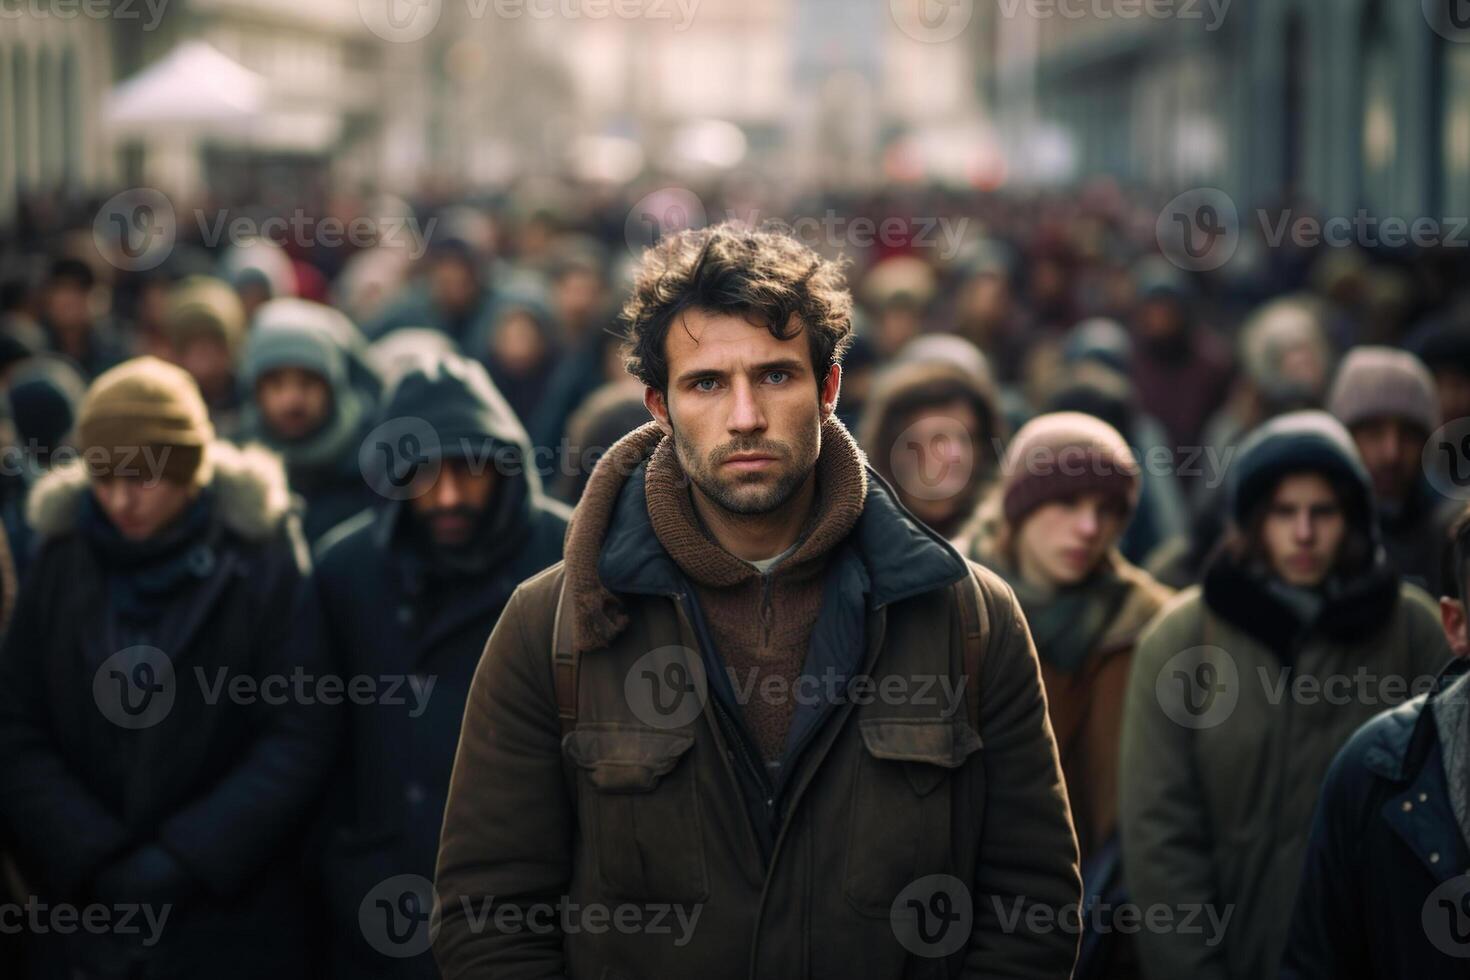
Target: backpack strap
565 662
973 626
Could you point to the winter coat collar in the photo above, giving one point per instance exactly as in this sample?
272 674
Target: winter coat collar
1356 609
1398 740
611 547
251 496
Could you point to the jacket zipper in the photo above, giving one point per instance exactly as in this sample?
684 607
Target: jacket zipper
768 612
737 731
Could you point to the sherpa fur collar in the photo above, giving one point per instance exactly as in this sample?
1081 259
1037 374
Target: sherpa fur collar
599 615
249 485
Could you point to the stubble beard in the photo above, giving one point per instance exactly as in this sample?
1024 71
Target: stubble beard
753 494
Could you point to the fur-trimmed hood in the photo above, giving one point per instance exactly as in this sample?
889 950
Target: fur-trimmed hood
249 484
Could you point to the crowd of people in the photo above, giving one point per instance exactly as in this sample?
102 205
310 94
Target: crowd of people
264 504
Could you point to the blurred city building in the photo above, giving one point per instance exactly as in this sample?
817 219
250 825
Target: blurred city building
1365 102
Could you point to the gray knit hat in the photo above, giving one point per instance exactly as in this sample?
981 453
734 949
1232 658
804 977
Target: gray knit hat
1384 382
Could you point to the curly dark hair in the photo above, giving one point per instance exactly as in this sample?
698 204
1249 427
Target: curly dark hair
766 276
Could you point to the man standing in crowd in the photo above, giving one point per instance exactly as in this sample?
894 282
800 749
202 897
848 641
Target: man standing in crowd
310 397
739 548
1384 893
410 591
1388 401
1244 688
142 762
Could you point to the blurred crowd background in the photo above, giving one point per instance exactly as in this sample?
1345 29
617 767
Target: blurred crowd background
1177 217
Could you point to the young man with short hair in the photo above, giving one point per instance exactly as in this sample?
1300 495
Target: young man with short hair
694 744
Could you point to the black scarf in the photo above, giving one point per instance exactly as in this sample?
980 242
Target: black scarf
144 576
1350 609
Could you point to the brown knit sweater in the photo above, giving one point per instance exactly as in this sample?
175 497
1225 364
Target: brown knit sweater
761 624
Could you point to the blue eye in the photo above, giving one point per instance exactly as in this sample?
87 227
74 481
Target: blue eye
773 374
699 385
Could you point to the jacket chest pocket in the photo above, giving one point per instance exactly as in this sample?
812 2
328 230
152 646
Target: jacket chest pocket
902 806
639 811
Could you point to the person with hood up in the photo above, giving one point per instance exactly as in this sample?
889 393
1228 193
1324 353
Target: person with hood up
1245 687
1181 369
205 326
452 296
144 762
518 344
1387 399
740 538
310 396
1383 893
1286 363
932 429
410 590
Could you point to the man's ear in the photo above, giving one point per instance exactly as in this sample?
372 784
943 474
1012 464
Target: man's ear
1452 615
831 386
658 407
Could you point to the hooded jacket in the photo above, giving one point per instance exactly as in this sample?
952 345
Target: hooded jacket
1239 698
628 810
323 468
223 782
899 397
391 611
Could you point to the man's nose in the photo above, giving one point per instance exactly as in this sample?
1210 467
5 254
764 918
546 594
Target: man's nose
745 410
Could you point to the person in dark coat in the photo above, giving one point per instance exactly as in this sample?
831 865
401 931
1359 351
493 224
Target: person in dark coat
70 325
412 590
1385 892
310 396
1388 401
453 296
161 737
1245 687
